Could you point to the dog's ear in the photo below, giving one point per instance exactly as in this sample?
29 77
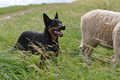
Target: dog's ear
46 19
56 16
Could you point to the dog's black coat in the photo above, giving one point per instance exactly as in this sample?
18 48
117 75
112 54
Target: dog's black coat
49 38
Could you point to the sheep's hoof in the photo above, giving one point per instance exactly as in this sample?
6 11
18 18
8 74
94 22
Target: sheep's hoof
113 65
115 62
88 62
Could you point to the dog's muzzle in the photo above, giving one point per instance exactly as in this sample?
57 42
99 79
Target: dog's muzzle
62 27
58 32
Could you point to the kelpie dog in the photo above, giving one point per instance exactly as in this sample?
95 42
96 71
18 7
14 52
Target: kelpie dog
48 39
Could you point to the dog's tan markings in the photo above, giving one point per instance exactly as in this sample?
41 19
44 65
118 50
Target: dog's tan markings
56 54
51 33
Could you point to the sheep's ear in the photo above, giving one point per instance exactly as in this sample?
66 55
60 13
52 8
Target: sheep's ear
46 19
56 16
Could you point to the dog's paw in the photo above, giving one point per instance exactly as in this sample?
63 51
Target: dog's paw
40 65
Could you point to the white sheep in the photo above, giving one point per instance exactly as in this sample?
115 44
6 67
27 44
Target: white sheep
100 27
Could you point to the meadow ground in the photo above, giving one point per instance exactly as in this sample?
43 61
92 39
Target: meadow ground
16 19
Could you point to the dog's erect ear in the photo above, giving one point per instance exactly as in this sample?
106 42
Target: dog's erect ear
46 19
56 16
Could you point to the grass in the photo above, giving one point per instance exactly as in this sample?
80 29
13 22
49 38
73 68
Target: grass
70 65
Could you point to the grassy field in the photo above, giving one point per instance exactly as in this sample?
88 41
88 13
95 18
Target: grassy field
16 19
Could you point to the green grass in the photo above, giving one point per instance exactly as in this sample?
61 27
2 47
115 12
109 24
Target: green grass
70 65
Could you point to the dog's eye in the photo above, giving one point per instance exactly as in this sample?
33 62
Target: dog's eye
56 22
60 22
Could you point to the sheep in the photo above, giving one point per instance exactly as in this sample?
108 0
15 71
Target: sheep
100 27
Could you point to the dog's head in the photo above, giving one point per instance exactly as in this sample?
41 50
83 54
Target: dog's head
54 26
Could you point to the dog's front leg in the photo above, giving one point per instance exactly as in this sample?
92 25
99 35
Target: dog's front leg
42 62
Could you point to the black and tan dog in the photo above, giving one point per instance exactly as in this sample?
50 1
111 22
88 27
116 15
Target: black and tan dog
48 39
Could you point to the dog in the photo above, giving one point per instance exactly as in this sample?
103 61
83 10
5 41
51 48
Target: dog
47 40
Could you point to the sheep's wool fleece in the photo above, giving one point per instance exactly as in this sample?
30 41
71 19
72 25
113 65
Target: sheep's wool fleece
101 27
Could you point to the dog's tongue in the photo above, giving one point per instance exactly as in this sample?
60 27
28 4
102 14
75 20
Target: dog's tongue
59 33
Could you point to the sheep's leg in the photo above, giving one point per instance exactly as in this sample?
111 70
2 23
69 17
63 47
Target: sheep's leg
85 53
116 45
82 49
114 60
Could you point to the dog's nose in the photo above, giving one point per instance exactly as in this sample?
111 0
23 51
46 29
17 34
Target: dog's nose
63 27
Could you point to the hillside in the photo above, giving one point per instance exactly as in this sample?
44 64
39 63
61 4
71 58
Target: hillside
18 66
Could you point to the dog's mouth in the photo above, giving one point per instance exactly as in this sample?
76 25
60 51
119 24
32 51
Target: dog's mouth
59 33
56 32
